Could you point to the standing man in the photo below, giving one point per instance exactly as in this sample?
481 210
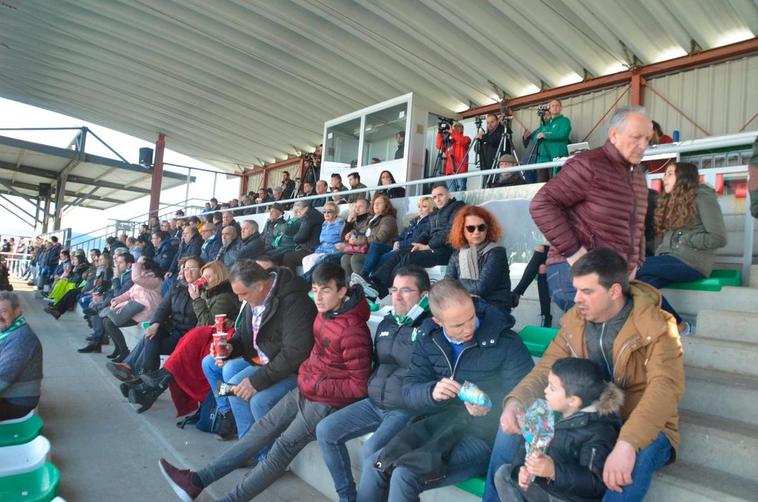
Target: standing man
489 142
598 199
288 186
552 136
457 156
621 327
400 139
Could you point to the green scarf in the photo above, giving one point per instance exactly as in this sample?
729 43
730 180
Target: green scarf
20 321
413 314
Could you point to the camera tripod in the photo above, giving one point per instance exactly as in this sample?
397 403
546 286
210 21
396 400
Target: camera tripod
504 146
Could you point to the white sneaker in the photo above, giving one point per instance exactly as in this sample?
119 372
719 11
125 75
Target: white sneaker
685 329
358 280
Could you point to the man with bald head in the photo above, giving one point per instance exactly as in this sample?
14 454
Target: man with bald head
598 199
231 246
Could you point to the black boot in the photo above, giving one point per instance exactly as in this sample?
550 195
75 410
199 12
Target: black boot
92 347
121 356
158 379
227 427
126 387
547 320
143 396
114 354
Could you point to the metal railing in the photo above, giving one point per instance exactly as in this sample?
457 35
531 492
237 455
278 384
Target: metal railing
17 263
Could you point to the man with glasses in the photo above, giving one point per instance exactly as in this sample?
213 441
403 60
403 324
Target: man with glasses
383 412
211 244
466 340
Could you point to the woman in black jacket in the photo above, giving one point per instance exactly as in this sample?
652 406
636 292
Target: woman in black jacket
479 262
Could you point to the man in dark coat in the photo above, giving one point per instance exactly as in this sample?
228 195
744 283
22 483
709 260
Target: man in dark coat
383 413
190 246
211 242
432 249
334 375
466 341
307 236
598 199
252 241
164 250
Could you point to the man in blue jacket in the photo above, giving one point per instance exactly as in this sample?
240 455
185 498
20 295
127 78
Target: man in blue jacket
465 341
164 250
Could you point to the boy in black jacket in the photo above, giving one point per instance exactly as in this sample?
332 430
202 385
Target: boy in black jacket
572 467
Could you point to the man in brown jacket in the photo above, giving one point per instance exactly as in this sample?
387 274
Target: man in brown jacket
621 327
598 199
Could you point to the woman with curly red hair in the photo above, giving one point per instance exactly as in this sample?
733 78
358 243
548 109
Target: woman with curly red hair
479 262
689 228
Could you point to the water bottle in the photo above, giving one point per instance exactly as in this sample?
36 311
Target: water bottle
675 135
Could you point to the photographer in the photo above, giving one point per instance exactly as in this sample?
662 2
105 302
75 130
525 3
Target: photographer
455 146
489 142
552 135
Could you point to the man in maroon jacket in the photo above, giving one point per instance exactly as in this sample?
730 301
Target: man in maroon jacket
598 199
335 375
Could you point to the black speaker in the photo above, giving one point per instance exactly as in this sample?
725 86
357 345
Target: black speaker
146 156
45 189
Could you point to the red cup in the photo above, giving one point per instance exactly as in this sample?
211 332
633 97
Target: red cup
220 318
200 282
219 343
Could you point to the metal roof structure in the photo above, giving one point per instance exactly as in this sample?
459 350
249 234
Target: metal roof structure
244 82
91 181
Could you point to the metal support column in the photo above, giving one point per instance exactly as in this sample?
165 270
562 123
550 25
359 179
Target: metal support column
44 191
155 187
637 86
60 193
186 188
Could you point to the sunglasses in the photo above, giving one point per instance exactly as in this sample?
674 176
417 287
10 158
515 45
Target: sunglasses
471 228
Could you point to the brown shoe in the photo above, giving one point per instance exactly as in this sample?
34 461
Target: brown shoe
121 371
180 481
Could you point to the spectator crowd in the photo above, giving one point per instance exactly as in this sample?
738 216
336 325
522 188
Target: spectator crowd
301 365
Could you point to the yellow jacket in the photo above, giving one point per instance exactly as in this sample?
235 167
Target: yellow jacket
648 366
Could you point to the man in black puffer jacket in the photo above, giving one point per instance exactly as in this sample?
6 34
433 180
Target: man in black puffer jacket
307 236
433 248
466 341
383 412
190 245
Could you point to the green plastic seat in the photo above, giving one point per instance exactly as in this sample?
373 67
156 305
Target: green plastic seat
35 486
20 432
717 280
537 338
475 486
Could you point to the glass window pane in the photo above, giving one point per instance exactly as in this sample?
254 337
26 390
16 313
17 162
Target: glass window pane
379 141
341 149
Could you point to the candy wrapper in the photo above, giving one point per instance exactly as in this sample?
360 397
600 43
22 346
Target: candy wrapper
538 427
472 394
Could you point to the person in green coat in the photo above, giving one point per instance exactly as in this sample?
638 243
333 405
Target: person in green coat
554 134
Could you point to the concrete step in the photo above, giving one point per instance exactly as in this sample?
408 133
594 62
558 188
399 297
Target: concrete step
722 355
729 298
715 442
720 393
728 325
528 313
682 482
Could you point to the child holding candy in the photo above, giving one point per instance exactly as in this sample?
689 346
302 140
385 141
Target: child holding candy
586 426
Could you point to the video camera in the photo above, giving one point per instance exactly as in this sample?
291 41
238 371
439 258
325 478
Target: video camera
444 124
542 110
478 122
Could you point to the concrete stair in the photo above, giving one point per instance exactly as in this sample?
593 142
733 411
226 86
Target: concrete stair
682 482
710 391
719 354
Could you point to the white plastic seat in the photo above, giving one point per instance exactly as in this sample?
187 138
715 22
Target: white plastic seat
21 458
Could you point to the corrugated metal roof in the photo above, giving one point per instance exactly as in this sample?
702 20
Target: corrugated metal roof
239 83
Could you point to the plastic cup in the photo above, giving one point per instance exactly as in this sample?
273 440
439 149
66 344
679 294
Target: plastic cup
145 325
219 342
220 322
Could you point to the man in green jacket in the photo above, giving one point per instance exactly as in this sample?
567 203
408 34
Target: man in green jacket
553 137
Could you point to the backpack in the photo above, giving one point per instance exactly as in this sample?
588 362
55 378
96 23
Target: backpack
206 418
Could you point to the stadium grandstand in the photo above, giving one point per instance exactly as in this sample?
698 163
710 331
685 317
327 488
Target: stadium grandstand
474 250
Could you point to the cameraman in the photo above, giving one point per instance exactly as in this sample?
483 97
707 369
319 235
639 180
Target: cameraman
552 135
490 141
455 146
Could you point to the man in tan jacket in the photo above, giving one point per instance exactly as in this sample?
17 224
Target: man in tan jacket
622 328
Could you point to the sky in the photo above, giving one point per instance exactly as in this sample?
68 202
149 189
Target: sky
83 220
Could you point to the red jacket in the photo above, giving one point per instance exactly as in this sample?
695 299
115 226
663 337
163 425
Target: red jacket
458 150
337 370
597 200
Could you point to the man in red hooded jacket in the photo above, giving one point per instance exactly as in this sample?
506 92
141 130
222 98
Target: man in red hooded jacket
456 154
334 375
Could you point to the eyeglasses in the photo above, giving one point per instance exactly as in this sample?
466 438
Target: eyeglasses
191 268
472 228
403 291
329 211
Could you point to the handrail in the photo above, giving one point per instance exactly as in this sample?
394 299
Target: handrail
694 145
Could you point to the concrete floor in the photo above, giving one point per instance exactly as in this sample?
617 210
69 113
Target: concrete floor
103 448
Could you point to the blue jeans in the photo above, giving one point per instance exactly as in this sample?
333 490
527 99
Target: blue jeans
502 453
351 422
468 459
457 185
376 251
561 287
660 271
84 301
246 413
649 459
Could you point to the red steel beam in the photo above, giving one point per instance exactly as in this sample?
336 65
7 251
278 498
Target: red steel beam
637 88
702 58
155 186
